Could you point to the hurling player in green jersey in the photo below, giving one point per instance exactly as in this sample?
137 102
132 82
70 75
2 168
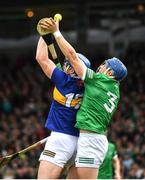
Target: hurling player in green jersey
100 101
110 168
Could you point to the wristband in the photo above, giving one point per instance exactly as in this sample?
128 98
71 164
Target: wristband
48 38
57 34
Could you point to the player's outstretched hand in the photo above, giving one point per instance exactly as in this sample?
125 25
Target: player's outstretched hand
42 31
50 25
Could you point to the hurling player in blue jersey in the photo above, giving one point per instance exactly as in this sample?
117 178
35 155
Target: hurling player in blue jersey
67 95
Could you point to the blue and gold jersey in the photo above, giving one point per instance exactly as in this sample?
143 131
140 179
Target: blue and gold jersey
67 96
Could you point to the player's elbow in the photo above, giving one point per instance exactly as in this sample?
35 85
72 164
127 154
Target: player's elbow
39 58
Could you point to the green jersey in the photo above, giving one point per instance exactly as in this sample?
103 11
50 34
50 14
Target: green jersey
59 66
106 168
100 101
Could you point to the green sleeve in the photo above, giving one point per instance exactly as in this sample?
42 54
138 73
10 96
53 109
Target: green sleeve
115 151
59 66
88 75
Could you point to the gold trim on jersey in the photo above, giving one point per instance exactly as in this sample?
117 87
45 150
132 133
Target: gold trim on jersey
73 101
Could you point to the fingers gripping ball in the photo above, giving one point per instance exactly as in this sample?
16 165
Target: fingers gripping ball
42 31
57 17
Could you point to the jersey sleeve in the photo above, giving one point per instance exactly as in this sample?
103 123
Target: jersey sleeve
115 152
58 77
59 66
88 75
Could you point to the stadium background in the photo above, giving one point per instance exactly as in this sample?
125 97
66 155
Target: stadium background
99 29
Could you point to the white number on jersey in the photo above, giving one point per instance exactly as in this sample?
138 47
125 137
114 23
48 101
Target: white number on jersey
110 105
70 97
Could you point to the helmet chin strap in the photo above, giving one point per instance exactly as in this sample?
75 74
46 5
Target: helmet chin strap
67 68
105 72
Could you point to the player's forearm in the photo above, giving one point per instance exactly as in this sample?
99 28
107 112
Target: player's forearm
71 54
66 48
42 58
42 51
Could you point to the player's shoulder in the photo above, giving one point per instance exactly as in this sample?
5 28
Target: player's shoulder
59 77
58 68
58 72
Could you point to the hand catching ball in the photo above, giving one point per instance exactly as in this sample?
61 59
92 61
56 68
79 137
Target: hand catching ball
42 31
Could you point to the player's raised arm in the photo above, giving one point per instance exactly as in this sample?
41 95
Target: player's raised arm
49 40
65 47
42 58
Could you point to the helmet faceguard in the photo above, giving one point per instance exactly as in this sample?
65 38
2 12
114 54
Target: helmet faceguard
67 64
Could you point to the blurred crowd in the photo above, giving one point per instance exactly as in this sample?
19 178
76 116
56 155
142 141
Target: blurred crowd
25 98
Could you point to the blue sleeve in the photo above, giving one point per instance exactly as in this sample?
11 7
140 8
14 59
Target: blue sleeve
58 77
